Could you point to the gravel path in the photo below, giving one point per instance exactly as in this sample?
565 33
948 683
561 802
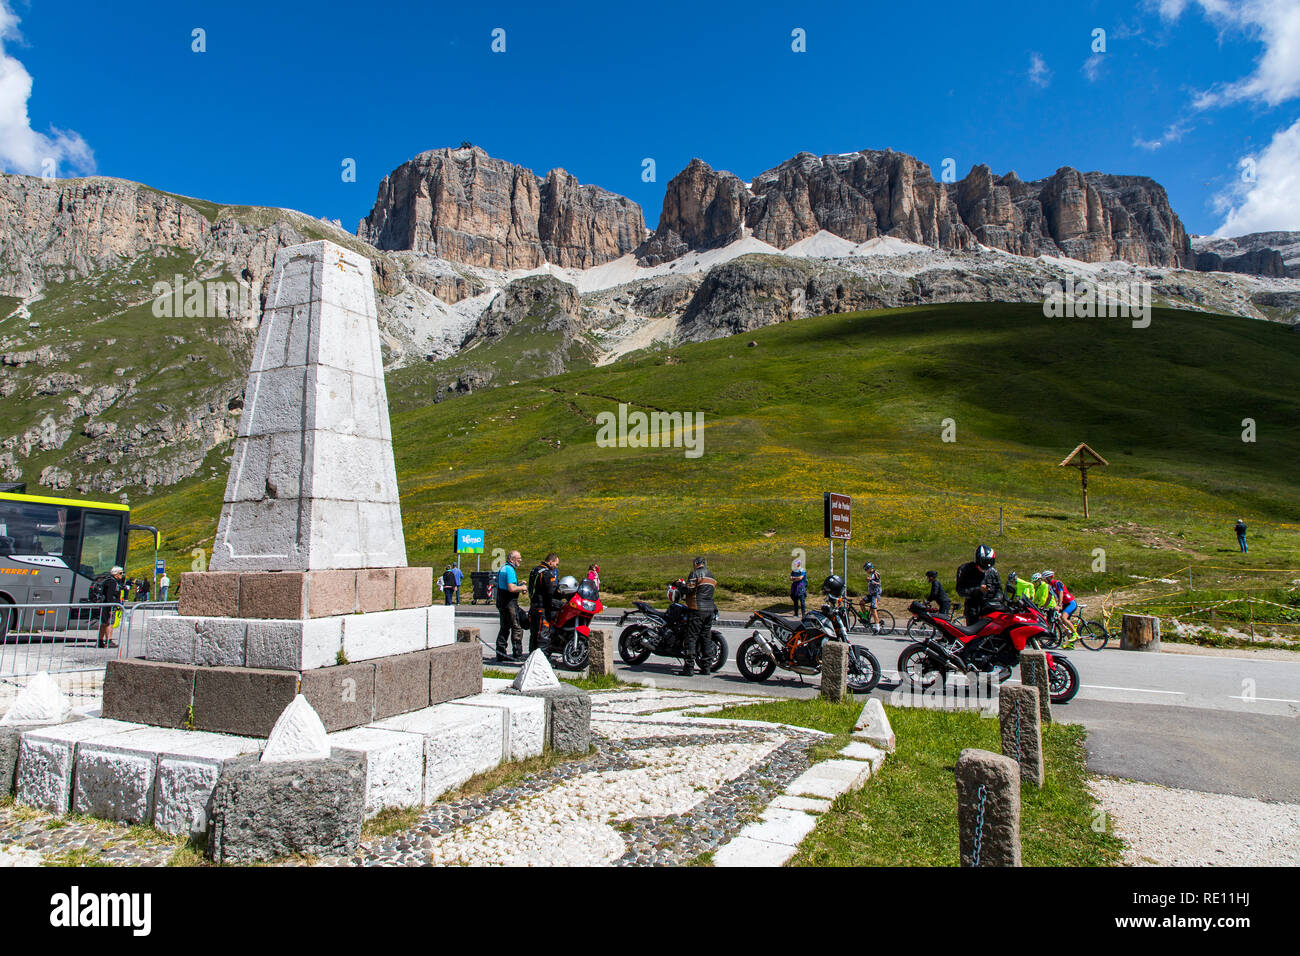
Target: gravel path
1167 827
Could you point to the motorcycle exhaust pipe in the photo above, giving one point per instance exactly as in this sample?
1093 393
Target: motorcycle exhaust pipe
764 646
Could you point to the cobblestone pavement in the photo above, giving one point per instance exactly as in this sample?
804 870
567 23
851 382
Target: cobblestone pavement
660 788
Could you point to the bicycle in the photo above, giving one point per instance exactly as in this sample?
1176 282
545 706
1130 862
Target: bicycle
919 630
855 618
1091 634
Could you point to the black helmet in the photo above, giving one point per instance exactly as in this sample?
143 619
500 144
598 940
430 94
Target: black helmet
568 586
833 585
868 567
985 556
931 574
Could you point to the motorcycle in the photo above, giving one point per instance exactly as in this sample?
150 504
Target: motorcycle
796 645
663 632
994 642
568 632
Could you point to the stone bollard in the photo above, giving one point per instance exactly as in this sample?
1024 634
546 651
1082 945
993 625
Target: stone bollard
835 670
1033 673
467 635
1022 730
602 653
1140 633
988 809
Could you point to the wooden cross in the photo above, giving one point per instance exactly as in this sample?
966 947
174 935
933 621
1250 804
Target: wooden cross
1084 458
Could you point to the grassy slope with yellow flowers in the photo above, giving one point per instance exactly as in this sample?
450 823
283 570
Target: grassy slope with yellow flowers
857 403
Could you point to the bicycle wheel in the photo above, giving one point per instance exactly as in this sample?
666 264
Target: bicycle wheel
887 623
1093 635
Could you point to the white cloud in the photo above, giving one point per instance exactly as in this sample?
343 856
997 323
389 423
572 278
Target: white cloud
1276 23
1172 134
1092 66
1267 195
1038 74
23 149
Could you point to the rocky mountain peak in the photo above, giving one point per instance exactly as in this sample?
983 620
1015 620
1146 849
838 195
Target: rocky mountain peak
465 206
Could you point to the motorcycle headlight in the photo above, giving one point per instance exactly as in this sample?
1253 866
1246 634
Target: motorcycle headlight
588 605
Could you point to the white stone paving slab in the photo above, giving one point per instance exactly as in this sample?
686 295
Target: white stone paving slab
384 633
495 685
829 779
745 851
806 804
859 750
394 765
779 825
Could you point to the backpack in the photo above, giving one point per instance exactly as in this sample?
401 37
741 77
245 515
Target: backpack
99 589
534 579
448 578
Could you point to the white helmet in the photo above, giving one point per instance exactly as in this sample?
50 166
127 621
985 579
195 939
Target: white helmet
1036 577
1049 574
568 585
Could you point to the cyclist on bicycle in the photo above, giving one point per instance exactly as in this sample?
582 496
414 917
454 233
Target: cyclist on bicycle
873 595
1065 600
938 595
1018 588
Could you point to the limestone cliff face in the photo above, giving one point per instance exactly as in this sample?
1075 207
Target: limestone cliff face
465 206
859 196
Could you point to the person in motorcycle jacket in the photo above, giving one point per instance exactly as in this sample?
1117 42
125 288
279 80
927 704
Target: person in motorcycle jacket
542 581
979 583
700 586
937 594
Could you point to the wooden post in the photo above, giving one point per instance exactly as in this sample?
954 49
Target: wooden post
1084 458
1083 474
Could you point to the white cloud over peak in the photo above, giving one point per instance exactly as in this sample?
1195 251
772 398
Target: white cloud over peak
1266 196
23 149
1038 73
1276 23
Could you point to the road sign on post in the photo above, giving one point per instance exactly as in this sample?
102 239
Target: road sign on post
836 516
468 541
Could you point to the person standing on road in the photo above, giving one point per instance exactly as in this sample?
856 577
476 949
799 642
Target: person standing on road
874 590
459 576
938 595
164 583
1240 528
541 592
508 591
112 590
593 574
799 588
700 586
448 585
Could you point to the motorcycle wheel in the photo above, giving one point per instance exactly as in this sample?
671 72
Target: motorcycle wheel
917 666
627 640
864 670
1062 680
720 651
576 654
754 665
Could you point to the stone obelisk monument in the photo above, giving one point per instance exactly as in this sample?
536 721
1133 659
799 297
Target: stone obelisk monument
308 589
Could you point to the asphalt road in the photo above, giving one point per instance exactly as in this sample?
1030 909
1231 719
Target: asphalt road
1215 724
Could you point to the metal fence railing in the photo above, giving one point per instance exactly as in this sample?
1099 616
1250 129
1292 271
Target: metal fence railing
64 638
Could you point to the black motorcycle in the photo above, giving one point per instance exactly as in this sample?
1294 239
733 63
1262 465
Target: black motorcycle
796 645
662 632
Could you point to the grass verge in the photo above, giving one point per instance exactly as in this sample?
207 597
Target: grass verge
906 815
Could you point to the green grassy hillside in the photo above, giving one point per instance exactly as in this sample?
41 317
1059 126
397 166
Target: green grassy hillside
857 403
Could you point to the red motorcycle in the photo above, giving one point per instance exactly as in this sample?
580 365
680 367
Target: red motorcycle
569 630
993 643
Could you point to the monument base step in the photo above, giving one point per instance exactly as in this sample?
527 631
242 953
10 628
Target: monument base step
297 645
248 700
302 595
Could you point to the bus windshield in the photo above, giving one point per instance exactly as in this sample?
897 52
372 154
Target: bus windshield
28 528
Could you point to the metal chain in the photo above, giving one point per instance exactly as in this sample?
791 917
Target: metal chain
980 795
1017 730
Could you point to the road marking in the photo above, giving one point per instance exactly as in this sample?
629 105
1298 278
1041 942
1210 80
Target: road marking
1138 690
1274 700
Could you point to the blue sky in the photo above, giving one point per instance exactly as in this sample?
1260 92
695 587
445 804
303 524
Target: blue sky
1184 92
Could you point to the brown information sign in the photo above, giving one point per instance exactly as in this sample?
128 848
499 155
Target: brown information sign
836 514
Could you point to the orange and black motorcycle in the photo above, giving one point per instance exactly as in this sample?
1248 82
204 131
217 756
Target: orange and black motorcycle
795 644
